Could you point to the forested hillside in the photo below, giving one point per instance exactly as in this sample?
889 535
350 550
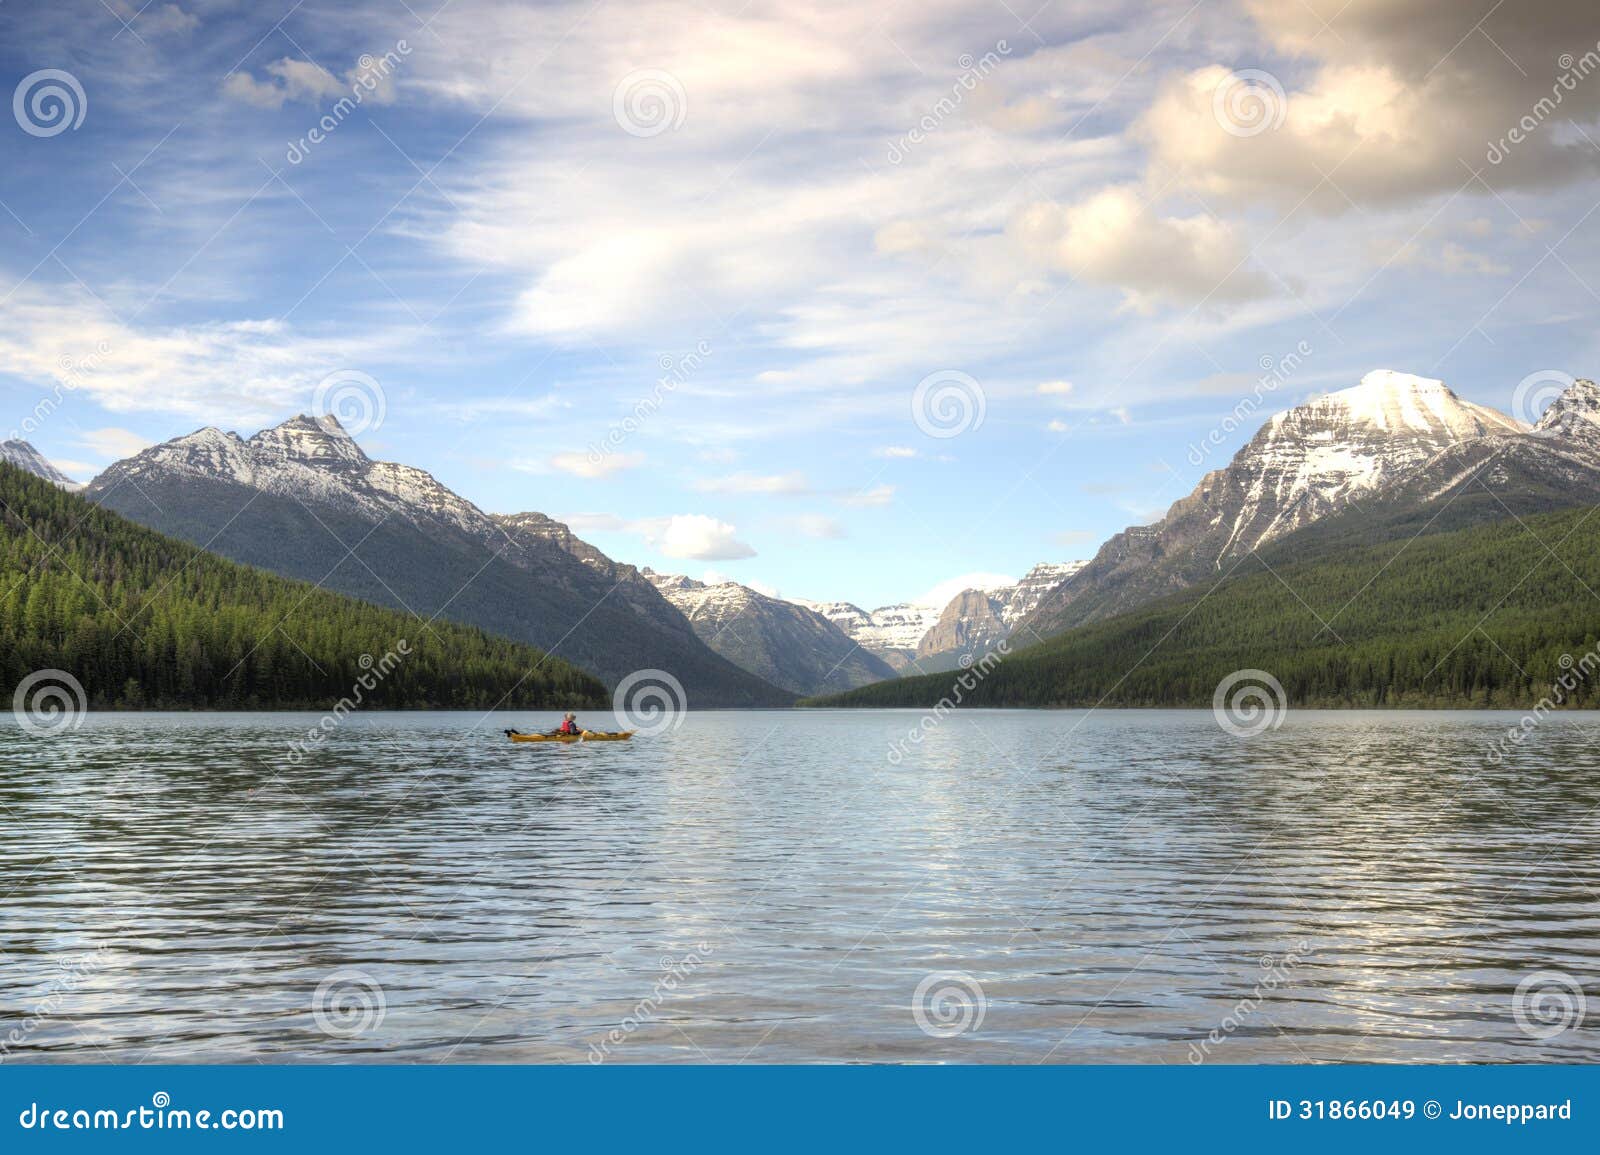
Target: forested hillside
142 620
1475 617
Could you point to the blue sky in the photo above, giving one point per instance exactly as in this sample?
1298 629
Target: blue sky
1098 220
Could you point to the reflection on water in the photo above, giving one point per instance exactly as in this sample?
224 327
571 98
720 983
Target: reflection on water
1122 887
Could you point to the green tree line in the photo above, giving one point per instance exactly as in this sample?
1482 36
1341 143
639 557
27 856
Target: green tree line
1485 617
142 620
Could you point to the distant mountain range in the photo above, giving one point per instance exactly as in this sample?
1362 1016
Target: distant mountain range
1302 465
921 638
301 499
788 644
1388 544
1388 458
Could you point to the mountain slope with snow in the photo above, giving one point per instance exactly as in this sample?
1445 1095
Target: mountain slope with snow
891 632
976 621
783 642
1390 442
24 456
303 500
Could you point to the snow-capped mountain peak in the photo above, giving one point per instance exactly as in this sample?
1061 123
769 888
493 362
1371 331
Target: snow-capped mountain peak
1580 402
1400 405
309 458
321 440
24 456
1317 457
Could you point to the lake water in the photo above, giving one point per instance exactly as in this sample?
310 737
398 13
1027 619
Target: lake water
1133 886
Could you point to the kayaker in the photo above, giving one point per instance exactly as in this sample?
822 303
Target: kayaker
569 725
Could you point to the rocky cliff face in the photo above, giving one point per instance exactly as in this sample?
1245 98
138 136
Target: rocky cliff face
785 643
891 632
976 621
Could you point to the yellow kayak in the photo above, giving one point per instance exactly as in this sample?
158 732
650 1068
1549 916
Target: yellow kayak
582 736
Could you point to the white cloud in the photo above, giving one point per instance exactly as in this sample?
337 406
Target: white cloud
895 451
1058 426
876 495
941 594
1399 98
694 535
1114 238
1054 388
292 80
77 470
113 443
777 484
817 525
226 372
582 523
594 464
150 19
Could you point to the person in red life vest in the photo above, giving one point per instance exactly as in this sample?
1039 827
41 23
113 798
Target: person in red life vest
569 725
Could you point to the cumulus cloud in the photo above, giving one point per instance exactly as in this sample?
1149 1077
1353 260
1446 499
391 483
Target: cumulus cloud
1114 238
1399 98
697 536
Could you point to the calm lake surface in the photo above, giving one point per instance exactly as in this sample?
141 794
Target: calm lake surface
1133 886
